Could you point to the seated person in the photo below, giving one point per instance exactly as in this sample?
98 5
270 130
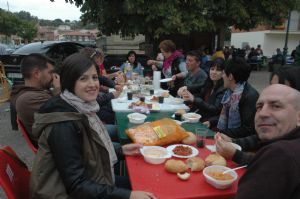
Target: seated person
104 98
39 77
276 164
195 77
237 116
133 66
209 102
288 75
76 156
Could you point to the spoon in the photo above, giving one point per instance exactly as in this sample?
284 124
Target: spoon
234 169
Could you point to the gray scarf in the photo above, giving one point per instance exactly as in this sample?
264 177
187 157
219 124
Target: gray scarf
89 109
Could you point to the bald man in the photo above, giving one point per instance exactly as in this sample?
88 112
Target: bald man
274 172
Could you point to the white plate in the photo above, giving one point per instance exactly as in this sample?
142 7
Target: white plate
194 150
166 80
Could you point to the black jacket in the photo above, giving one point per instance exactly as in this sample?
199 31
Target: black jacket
273 172
211 108
247 110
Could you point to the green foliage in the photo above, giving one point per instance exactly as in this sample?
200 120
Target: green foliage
22 24
158 17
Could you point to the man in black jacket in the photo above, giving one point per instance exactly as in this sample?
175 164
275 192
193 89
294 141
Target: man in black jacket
273 173
237 116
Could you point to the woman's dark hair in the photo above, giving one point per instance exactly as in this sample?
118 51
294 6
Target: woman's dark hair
239 69
135 63
219 63
288 73
72 68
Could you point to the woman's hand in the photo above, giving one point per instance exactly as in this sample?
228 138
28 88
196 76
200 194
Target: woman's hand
141 195
131 149
187 96
207 124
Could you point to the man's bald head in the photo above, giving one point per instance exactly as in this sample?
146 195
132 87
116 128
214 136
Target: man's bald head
278 111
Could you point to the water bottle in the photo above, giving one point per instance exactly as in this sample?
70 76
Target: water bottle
128 70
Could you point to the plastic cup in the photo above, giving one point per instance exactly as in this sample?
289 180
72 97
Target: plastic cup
160 99
178 116
129 95
201 133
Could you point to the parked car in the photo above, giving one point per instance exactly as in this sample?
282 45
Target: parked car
112 63
56 50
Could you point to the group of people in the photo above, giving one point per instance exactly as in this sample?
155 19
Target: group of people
78 153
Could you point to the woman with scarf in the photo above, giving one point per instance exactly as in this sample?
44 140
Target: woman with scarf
76 157
173 66
239 101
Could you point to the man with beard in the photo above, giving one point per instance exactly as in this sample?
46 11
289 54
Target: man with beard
39 77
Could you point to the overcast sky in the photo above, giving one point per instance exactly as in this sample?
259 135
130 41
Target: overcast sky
44 9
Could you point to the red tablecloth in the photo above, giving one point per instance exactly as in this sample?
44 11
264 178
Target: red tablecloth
155 179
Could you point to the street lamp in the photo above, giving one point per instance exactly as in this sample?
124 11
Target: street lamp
285 49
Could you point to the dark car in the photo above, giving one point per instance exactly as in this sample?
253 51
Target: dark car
113 62
56 50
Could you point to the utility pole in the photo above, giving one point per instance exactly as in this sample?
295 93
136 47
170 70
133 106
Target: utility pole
285 49
7 6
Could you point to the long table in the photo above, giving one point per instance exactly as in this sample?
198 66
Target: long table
154 178
123 124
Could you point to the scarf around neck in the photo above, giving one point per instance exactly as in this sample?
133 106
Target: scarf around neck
167 62
89 109
230 115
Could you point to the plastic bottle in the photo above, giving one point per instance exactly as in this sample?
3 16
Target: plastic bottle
128 70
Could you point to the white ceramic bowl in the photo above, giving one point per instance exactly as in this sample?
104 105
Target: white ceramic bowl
219 184
136 118
191 117
155 154
238 147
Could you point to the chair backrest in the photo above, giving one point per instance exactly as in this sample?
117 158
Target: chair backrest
14 176
22 129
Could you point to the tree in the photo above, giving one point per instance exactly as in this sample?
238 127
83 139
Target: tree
155 18
27 31
8 23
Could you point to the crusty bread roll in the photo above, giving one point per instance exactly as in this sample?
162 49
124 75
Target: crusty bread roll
176 166
215 159
181 111
191 139
195 163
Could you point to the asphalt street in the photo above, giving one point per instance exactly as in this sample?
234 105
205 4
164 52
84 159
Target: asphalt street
258 79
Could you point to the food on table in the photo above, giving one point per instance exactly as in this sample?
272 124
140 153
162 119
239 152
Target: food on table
176 166
215 159
219 175
183 176
195 163
155 153
140 103
165 94
191 139
158 133
154 99
181 111
182 150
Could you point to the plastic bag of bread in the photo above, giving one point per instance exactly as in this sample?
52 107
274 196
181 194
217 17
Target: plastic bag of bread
176 166
158 133
215 159
195 163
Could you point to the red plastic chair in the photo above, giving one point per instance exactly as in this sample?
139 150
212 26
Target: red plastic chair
22 129
14 175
